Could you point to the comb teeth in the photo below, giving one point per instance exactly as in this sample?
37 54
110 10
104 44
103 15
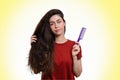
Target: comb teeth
82 32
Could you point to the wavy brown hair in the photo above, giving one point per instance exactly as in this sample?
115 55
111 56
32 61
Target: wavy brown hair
41 52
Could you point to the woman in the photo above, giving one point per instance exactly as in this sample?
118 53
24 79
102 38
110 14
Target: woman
51 53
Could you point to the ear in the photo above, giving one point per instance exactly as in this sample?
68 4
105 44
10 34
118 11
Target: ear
64 23
64 27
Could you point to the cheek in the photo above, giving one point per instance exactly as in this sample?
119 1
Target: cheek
52 28
63 26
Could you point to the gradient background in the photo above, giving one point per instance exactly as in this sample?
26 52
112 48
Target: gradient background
100 46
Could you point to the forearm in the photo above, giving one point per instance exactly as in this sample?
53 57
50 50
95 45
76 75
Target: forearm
77 67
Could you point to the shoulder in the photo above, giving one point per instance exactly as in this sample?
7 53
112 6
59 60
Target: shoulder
71 42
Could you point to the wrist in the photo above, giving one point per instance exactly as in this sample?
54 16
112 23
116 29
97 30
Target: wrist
74 57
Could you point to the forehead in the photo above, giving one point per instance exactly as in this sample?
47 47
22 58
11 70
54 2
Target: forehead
55 17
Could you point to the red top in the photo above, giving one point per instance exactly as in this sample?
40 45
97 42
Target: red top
63 64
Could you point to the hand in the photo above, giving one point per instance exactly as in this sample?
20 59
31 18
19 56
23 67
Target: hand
33 38
75 49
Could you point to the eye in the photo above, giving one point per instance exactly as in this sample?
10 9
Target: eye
51 24
59 21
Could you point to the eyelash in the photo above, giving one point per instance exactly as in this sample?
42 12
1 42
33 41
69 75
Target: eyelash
57 22
51 24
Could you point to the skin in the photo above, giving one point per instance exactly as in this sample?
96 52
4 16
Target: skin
57 26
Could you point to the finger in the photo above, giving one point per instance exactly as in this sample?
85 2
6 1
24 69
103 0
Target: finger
74 45
77 43
34 38
76 48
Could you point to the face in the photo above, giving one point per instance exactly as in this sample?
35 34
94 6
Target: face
57 25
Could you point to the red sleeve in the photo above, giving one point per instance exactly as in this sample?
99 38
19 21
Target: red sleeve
79 54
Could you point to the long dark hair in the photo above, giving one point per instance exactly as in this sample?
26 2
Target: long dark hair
41 52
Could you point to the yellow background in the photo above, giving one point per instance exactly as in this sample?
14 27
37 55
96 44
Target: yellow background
18 19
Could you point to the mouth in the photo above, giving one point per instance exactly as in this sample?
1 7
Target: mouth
57 30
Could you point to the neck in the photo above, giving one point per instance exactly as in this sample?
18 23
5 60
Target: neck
60 39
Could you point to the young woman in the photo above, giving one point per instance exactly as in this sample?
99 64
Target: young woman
51 53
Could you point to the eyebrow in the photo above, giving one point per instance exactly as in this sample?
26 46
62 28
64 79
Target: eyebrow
56 20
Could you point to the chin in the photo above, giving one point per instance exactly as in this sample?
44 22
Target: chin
57 34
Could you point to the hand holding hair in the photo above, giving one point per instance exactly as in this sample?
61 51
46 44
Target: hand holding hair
33 38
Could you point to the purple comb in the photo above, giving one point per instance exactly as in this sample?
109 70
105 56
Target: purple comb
81 34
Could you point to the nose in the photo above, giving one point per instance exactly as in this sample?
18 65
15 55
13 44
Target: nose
56 25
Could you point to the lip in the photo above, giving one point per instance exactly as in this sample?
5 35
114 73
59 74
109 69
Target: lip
57 30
